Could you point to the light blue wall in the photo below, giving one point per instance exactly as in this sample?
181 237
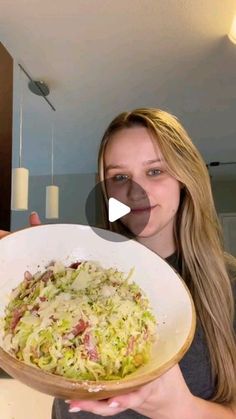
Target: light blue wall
74 190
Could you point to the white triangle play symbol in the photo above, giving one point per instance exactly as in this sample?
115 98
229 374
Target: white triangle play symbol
116 209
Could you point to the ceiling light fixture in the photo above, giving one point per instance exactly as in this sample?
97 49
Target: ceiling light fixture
40 88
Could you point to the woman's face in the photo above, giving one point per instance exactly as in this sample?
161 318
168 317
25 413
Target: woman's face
132 159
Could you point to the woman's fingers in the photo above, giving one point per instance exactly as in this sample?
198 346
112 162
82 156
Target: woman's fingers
3 233
111 406
34 219
97 407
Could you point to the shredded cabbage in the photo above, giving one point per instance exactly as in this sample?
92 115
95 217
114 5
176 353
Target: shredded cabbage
82 322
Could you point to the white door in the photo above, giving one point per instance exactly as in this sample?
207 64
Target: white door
228 221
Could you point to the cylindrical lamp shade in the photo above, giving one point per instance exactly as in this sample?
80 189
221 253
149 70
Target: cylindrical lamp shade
232 33
52 201
19 189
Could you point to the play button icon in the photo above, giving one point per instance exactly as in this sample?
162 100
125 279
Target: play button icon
116 209
120 207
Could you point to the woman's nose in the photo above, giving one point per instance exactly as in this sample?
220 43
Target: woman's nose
136 191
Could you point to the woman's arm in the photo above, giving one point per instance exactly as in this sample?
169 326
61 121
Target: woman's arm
168 397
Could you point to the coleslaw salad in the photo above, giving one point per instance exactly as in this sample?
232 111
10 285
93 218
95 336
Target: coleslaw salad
83 322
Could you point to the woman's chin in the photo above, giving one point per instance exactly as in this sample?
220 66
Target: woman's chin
142 232
146 233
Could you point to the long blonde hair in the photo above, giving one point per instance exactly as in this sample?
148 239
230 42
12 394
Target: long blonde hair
205 265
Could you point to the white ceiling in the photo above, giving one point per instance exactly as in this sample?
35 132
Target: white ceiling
100 57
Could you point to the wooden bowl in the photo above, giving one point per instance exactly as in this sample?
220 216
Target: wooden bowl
32 248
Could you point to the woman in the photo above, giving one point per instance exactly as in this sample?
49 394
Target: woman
150 148
183 228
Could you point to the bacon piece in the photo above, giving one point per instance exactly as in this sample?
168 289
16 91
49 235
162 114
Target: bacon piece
43 298
17 314
28 280
137 296
35 308
75 265
28 276
46 276
79 327
131 343
90 347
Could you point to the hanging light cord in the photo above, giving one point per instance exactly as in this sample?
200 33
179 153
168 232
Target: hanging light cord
21 120
52 154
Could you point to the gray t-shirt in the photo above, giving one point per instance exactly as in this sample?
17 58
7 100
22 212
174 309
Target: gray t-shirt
195 366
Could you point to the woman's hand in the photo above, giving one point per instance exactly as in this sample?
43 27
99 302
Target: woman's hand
168 397
34 220
3 233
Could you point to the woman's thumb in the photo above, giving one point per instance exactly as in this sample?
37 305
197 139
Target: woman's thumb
34 219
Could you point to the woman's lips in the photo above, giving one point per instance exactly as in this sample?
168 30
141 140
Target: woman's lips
141 210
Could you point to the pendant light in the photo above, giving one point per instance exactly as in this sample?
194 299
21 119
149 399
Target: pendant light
52 191
232 32
20 175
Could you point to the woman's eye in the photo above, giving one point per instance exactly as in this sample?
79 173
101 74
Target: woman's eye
154 172
120 178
